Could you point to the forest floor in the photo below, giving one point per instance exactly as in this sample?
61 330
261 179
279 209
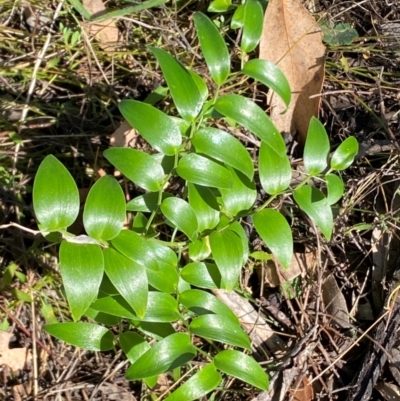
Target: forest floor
67 105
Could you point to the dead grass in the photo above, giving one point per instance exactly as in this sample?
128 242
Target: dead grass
70 110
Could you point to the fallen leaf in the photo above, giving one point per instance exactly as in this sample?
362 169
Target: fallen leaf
124 136
389 391
304 392
14 358
116 393
105 32
292 40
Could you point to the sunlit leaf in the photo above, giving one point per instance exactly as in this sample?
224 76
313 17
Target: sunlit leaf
344 155
253 25
202 275
335 188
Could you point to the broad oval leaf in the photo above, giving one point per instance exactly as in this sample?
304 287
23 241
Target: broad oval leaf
165 278
213 47
276 233
224 147
203 90
199 385
182 215
241 196
55 195
139 167
252 117
270 75
203 275
159 130
239 230
203 171
274 170
238 17
204 205
219 6
129 278
335 188
203 303
133 345
104 213
313 202
253 25
199 250
220 328
316 149
168 354
146 202
227 250
344 155
243 367
82 268
87 336
183 88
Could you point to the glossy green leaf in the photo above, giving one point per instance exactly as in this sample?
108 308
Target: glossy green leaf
243 367
129 278
344 155
253 25
199 250
316 149
114 305
181 215
201 86
313 202
237 228
165 278
203 275
139 167
55 195
146 203
335 188
203 171
219 6
227 250
274 170
87 336
169 353
252 117
104 213
204 205
220 328
238 17
276 233
204 303
103 318
224 147
213 47
182 86
82 268
159 130
241 196
133 345
199 385
270 75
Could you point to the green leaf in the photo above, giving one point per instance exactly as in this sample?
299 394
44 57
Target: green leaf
203 171
243 367
115 306
219 6
276 233
199 250
238 17
340 34
182 86
213 47
103 318
203 90
139 167
220 328
82 268
181 215
204 205
344 155
129 278
159 130
168 354
203 303
164 279
241 196
274 170
146 203
270 75
237 228
224 147
200 384
133 345
227 250
203 275
253 25
87 336
104 213
316 149
335 188
313 202
55 196
252 117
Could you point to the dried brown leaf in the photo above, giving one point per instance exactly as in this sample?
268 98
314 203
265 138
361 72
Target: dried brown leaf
389 391
293 40
305 392
124 136
105 32
14 358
